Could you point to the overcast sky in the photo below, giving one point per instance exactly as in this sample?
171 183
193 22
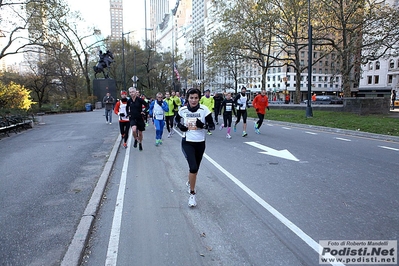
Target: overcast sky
96 13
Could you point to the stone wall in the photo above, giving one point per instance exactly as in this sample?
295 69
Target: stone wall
366 105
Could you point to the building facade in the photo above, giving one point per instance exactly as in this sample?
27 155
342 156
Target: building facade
116 15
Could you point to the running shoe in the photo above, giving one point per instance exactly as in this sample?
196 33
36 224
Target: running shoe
140 147
135 143
228 136
235 128
209 133
191 201
256 126
221 127
257 131
169 135
160 141
125 145
156 142
244 134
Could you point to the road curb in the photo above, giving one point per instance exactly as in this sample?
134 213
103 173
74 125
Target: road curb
76 249
337 130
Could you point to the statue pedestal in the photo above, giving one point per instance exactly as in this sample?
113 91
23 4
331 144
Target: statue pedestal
102 86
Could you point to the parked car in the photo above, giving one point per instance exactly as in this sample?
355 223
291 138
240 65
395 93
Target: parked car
324 99
336 100
276 102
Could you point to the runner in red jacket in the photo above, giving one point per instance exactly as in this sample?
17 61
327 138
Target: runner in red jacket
124 123
260 103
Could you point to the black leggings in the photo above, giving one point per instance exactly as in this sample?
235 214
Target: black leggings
244 116
169 122
124 128
193 151
260 121
227 119
217 111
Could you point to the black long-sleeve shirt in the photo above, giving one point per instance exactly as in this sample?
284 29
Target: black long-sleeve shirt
134 107
228 106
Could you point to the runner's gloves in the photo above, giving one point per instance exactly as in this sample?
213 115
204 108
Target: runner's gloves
182 127
199 124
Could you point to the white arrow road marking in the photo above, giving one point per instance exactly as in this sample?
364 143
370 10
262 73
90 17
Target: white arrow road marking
285 154
388 148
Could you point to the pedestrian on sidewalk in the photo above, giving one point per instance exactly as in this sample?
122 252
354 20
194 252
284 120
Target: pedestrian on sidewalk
209 102
135 113
193 119
227 108
393 98
260 103
121 112
108 101
241 102
158 107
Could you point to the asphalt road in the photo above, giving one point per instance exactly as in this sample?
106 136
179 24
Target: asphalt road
47 176
265 199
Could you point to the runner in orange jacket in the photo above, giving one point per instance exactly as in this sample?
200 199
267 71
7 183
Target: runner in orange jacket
260 103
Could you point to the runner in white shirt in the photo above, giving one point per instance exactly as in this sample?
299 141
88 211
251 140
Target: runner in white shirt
193 120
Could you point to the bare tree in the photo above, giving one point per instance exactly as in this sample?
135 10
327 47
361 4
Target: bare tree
252 24
15 20
358 31
63 27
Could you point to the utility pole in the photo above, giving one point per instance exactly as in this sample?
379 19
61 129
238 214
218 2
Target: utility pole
309 112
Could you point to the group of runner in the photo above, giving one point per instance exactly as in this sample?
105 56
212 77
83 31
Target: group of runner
192 116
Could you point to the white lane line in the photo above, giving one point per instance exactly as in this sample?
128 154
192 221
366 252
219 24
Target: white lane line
295 229
342 139
113 244
388 148
311 133
287 128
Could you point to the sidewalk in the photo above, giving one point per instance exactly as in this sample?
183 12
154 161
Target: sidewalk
394 113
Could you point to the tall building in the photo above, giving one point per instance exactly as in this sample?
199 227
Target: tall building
116 15
199 41
158 10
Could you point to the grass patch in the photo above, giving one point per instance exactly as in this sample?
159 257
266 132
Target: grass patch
379 124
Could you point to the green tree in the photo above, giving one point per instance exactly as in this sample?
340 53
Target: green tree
223 55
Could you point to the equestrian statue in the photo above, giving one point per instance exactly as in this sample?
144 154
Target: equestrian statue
104 63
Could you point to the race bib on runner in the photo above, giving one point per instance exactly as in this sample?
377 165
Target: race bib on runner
191 123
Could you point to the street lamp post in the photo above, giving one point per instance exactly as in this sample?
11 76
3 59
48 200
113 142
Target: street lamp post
134 70
309 112
123 59
174 10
